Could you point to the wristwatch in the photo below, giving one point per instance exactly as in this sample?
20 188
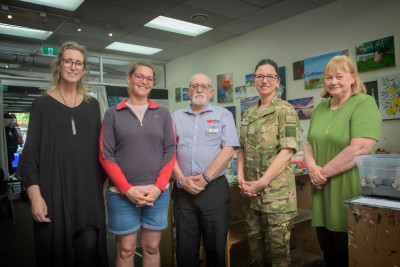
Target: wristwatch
179 183
205 176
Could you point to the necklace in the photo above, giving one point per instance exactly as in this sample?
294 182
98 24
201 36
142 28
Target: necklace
70 113
330 116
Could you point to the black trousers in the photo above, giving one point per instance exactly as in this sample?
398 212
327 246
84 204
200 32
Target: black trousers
334 245
206 216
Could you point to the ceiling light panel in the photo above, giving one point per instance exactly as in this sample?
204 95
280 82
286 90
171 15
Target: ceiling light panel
131 48
70 5
177 26
24 32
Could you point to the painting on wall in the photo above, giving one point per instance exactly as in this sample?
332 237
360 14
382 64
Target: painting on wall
303 106
246 103
376 54
389 96
314 68
372 90
232 109
298 70
185 94
225 88
178 94
281 90
240 91
249 80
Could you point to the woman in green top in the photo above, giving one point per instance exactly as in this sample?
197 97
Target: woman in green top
345 125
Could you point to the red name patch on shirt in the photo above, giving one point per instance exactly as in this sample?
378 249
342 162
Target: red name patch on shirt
209 121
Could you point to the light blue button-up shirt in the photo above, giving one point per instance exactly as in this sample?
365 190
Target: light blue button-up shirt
200 137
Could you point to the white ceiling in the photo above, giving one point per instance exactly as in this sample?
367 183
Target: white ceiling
125 18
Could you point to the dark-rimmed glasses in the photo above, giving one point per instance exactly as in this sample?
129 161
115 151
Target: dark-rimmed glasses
260 77
142 77
203 87
68 64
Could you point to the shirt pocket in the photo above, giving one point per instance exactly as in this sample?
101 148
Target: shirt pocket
268 136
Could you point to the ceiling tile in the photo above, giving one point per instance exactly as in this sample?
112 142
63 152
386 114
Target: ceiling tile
263 17
228 8
290 8
238 27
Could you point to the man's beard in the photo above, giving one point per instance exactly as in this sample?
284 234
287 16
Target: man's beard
199 102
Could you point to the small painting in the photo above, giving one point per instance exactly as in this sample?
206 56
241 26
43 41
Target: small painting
389 96
303 106
249 80
376 54
185 94
232 109
246 103
372 90
225 88
298 70
281 90
314 68
178 94
240 91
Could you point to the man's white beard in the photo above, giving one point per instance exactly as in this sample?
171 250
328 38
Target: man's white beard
199 102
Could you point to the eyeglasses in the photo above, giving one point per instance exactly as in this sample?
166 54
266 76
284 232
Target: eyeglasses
203 87
68 64
329 78
270 77
142 77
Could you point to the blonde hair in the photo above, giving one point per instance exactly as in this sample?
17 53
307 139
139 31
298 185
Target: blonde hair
56 77
343 63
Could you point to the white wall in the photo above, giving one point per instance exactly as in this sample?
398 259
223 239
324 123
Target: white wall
333 27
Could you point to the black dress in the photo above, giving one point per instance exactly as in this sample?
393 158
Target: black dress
66 168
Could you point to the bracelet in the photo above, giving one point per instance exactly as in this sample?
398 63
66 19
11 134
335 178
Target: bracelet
205 176
181 180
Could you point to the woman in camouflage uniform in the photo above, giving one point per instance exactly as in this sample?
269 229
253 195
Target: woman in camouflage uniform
268 139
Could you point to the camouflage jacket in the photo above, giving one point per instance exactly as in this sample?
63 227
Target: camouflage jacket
262 136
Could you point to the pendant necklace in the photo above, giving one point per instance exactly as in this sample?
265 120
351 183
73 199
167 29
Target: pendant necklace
70 113
330 115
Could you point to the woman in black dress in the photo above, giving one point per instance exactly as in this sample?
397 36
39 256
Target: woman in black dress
59 167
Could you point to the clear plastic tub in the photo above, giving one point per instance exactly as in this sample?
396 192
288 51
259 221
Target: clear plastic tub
380 175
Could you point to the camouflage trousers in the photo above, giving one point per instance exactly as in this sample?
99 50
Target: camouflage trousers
269 236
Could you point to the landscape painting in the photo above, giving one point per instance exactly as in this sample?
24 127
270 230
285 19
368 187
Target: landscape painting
376 54
185 94
178 94
303 106
249 80
240 91
246 103
314 68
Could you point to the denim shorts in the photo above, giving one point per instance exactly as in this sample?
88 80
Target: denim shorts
125 218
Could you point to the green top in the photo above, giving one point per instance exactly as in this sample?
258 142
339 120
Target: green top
262 136
358 117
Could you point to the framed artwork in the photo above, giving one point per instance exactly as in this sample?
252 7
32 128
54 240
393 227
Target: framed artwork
249 80
246 103
372 90
298 70
281 90
240 91
314 68
178 94
303 106
232 109
376 54
185 94
389 96
225 88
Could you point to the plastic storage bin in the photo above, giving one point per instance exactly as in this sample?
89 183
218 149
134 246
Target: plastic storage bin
380 175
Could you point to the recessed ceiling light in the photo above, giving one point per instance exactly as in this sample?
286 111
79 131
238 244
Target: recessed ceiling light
131 48
24 32
70 5
177 26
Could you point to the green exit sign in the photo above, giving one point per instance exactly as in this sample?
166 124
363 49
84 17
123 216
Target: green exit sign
4 88
49 51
